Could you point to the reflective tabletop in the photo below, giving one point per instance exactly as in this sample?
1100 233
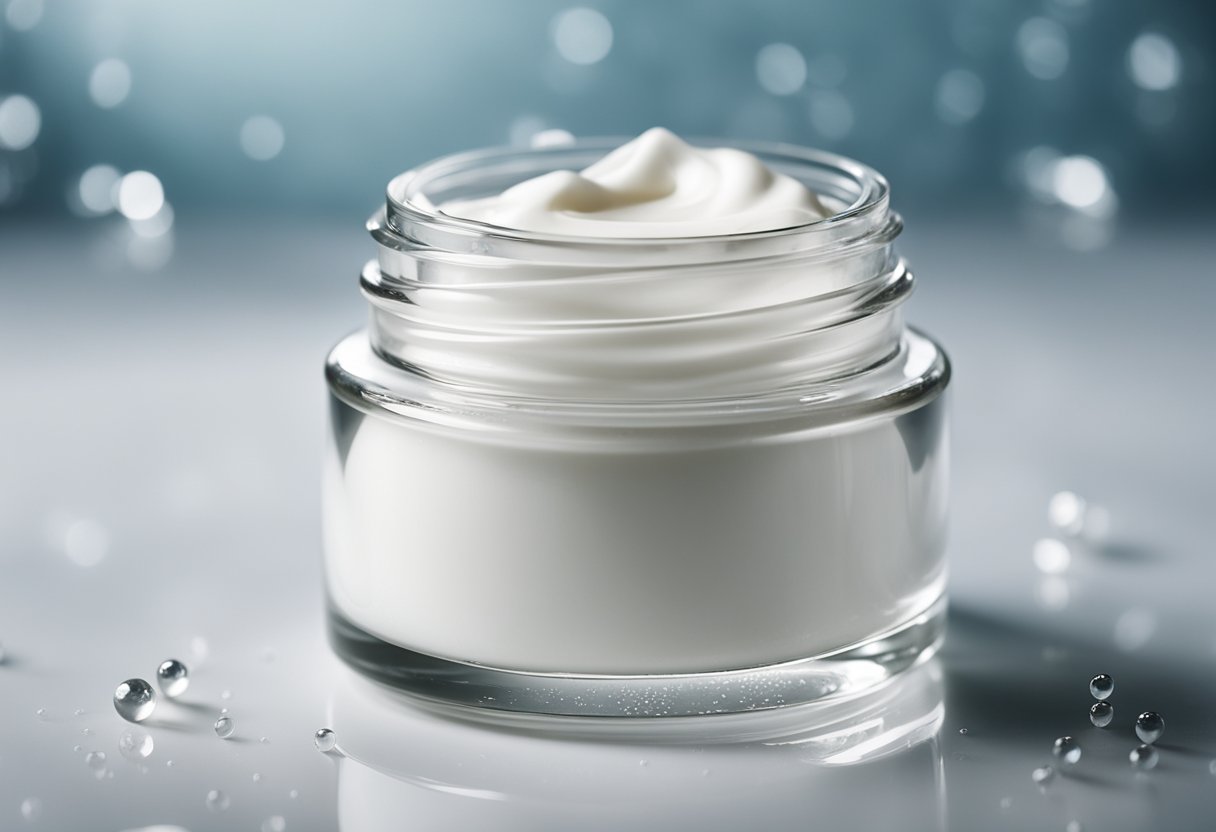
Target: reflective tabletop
159 498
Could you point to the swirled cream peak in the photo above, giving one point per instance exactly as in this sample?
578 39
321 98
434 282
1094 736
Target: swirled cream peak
654 186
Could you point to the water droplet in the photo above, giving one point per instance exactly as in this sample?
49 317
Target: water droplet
1101 714
262 138
86 731
224 727
1149 726
134 700
20 122
325 739
96 760
293 794
264 740
40 713
135 744
963 731
31 808
217 801
78 712
173 677
225 694
1212 768
1073 826
1101 686
274 823
1043 775
1143 757
1006 802
643 763
78 748
168 764
1066 750
257 778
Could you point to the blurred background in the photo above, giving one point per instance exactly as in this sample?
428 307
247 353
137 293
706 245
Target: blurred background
183 189
1104 108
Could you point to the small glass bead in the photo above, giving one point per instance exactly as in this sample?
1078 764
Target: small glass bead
325 740
1066 750
224 727
134 700
173 677
1149 727
1101 714
1101 686
1143 758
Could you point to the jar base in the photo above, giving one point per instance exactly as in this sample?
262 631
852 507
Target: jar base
838 675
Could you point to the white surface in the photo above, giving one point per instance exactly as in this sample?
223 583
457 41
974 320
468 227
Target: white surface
181 414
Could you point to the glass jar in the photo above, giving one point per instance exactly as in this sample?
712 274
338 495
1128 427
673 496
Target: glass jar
634 477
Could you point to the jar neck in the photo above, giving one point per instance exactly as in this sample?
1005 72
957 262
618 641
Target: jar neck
571 319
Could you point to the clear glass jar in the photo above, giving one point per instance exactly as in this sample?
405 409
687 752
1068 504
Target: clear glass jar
653 477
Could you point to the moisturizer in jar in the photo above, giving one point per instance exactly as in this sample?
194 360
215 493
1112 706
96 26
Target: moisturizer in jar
636 431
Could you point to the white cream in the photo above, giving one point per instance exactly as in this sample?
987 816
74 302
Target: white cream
653 186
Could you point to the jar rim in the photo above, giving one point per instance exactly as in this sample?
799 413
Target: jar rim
408 207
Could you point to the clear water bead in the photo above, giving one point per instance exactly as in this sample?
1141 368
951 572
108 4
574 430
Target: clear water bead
217 801
135 744
40 713
1143 757
134 700
274 823
325 739
963 731
1043 775
173 677
1101 686
96 760
224 727
1066 750
1101 714
1149 727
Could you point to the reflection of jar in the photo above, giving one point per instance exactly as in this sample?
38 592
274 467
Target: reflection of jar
562 468
405 769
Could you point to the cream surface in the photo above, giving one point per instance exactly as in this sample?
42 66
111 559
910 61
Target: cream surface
655 186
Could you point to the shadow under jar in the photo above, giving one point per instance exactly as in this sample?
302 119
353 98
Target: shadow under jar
634 477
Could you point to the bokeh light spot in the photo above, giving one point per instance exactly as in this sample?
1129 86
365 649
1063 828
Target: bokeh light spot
1153 62
140 195
831 114
20 122
1079 181
98 188
110 83
582 36
1043 47
959 97
780 69
554 137
23 15
262 138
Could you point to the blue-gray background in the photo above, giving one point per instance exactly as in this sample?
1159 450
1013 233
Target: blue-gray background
945 97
